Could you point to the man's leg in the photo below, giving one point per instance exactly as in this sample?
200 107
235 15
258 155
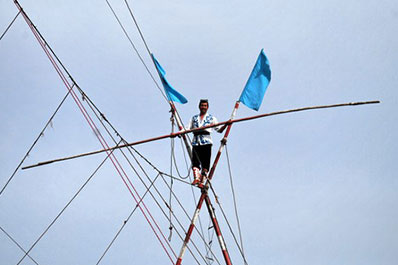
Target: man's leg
196 165
205 160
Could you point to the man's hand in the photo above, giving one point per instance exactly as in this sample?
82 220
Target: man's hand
225 126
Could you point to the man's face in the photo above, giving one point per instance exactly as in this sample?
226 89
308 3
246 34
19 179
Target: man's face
203 107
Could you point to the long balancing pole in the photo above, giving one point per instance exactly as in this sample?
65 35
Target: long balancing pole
205 127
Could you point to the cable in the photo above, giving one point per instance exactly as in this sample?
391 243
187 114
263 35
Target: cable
201 233
9 26
211 237
234 198
18 245
34 143
92 106
174 160
146 160
171 180
178 201
226 220
139 56
185 157
136 24
126 221
63 209
114 160
88 118
164 201
138 163
150 55
171 177
131 165
102 118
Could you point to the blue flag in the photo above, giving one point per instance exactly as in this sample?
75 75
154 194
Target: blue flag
255 88
171 93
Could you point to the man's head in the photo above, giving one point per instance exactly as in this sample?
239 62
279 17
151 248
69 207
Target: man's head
203 106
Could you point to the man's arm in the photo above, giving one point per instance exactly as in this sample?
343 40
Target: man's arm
190 124
221 129
224 126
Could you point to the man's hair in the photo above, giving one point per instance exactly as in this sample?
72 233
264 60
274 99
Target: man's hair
204 101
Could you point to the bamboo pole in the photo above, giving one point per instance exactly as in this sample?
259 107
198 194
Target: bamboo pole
202 128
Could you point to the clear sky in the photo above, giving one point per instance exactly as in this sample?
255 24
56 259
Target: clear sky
316 187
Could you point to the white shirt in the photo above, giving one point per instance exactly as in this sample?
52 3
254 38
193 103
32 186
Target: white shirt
197 122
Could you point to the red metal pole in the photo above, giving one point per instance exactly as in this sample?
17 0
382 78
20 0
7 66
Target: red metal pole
223 143
191 227
218 231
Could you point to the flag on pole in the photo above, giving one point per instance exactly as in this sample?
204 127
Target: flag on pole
171 93
253 93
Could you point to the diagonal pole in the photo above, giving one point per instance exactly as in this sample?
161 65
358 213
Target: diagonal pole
216 226
223 142
191 227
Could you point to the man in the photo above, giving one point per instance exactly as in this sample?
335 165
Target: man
201 142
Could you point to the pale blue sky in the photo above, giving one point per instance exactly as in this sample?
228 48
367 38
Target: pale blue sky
313 188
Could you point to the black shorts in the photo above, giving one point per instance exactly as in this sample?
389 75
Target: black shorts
201 155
